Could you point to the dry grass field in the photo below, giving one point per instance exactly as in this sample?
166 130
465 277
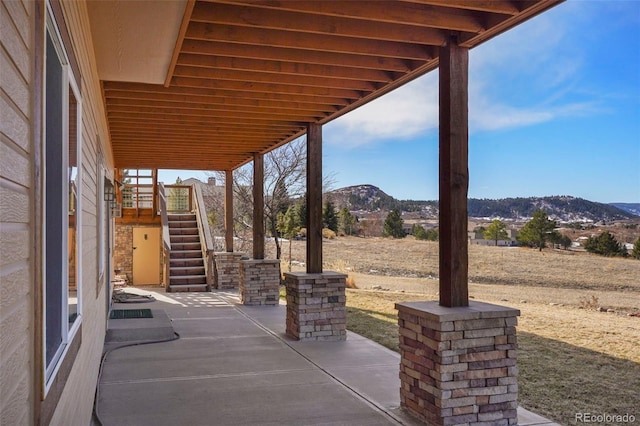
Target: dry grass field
574 355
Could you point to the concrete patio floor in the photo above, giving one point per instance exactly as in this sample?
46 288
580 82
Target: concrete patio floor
233 365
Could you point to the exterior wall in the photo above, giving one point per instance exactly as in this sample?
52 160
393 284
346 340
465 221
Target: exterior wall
20 283
16 213
76 402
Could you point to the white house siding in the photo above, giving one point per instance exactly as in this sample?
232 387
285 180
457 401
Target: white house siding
18 148
16 183
76 402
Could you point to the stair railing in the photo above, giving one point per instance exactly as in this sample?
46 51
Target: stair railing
206 240
166 237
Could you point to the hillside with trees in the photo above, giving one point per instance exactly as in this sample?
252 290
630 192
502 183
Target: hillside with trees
560 208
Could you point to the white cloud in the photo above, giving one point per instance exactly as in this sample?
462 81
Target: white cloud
525 77
404 113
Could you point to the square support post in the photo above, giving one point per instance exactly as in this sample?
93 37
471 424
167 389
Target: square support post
258 206
459 365
228 211
454 174
314 198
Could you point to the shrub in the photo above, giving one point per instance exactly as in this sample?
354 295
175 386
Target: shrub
328 234
351 282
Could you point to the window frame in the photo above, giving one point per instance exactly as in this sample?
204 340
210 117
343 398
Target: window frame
69 331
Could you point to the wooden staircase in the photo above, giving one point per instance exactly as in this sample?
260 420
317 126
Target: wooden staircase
186 266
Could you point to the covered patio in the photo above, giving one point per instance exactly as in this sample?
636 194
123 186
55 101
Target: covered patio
234 365
214 85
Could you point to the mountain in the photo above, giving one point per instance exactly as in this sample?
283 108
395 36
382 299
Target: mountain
562 208
633 208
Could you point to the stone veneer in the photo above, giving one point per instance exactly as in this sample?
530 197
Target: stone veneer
123 250
227 270
458 365
316 306
260 281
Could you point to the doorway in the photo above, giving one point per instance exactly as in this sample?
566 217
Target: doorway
146 256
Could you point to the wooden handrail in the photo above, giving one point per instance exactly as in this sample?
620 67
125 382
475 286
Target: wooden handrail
202 217
166 237
206 240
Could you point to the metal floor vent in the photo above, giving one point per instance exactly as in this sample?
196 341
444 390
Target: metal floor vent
130 313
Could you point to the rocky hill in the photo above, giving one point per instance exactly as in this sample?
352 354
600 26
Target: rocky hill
561 208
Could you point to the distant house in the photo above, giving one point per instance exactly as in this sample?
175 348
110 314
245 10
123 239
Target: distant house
478 239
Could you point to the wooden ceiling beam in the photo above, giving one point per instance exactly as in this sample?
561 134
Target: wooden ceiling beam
229 162
212 114
134 104
226 93
228 133
159 99
282 89
301 22
307 41
273 78
249 128
283 68
176 118
377 11
494 6
179 142
297 56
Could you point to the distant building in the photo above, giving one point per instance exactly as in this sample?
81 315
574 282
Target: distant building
478 239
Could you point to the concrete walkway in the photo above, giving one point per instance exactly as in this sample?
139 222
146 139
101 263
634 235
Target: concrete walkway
233 365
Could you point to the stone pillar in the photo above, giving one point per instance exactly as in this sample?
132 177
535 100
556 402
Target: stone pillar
458 365
227 271
316 306
260 282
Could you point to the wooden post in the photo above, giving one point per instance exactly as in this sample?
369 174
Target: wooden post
228 211
314 198
454 174
258 206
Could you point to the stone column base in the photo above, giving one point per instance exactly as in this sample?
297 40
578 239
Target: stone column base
260 281
458 365
316 306
227 272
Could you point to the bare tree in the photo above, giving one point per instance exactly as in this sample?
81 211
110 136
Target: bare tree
284 183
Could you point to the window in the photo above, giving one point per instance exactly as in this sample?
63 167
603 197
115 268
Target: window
62 152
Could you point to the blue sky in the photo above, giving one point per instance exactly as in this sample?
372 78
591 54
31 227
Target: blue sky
554 109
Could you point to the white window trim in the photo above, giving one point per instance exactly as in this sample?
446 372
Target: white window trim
68 333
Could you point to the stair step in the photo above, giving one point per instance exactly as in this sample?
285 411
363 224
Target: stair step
183 231
183 224
177 288
181 271
185 238
183 216
173 259
178 247
187 279
186 254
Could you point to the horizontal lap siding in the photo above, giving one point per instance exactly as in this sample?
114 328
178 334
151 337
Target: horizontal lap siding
76 402
16 227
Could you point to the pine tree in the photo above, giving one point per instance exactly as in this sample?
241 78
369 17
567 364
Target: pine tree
288 226
419 232
393 225
496 231
347 221
537 231
635 253
329 216
605 244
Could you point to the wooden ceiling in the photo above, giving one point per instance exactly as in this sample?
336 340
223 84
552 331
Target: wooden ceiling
247 76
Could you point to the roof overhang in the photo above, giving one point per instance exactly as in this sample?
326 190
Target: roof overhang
206 84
